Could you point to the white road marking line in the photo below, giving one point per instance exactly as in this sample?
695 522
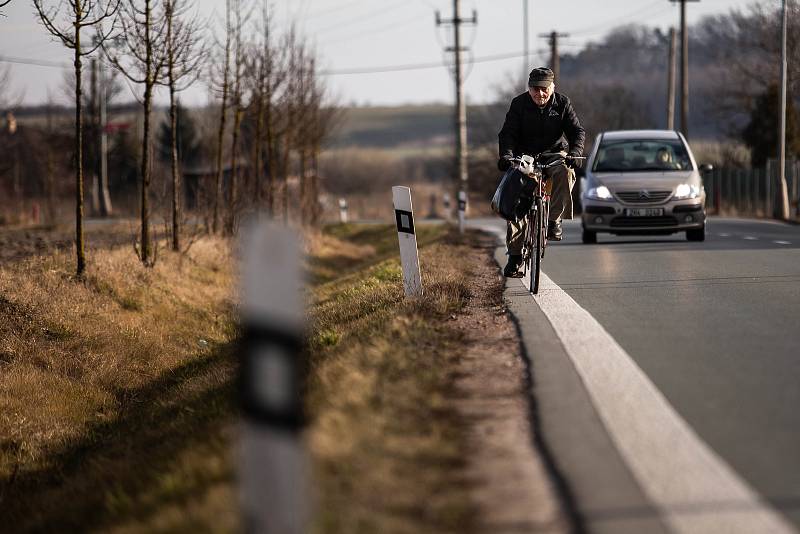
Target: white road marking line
750 238
782 242
724 235
694 489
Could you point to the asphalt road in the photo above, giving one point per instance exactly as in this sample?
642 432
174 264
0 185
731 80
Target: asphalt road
715 326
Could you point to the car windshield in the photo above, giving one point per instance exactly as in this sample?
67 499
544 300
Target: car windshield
642 155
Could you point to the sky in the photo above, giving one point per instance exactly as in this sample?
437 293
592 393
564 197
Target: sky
388 36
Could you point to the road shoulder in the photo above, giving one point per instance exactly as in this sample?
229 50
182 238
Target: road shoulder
594 482
512 489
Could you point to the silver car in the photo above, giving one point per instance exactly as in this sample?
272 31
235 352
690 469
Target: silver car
643 182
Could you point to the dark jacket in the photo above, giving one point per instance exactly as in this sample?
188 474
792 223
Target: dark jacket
531 130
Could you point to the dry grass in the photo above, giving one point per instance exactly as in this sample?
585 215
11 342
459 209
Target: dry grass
387 442
117 405
114 390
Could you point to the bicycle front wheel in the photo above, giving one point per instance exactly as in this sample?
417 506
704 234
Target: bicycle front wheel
537 235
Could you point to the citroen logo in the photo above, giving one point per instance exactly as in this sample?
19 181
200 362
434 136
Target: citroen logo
644 193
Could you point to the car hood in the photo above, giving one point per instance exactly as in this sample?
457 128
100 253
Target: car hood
645 180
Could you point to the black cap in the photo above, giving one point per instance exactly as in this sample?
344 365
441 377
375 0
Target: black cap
541 77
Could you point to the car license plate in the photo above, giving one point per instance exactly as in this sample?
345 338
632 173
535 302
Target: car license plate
644 212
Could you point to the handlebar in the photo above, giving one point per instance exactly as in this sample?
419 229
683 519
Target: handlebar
528 164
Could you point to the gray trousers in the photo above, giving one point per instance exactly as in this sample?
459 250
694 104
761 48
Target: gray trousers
560 206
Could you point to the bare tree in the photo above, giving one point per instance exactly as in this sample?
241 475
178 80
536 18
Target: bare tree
241 14
267 75
223 91
65 20
185 53
142 44
744 52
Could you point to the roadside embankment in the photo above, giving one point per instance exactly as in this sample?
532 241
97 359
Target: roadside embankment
117 399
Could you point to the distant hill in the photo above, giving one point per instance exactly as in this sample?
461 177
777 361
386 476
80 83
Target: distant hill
381 127
410 126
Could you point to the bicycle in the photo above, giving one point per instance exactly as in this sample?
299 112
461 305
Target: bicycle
535 241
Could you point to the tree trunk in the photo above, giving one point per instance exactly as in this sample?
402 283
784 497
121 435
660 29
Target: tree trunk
285 179
315 214
177 191
271 159
218 192
237 120
50 168
257 170
173 121
79 245
303 186
145 170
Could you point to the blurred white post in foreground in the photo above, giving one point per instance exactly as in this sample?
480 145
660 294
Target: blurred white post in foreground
343 210
409 257
273 463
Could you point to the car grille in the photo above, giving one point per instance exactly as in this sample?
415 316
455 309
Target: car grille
636 197
638 222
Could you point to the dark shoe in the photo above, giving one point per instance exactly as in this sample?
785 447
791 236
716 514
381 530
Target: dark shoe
511 269
554 231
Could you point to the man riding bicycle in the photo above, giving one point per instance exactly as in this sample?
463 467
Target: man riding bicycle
541 120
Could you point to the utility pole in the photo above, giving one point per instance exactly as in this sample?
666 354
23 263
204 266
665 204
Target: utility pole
98 77
673 44
684 69
783 202
93 114
554 62
526 67
105 196
461 107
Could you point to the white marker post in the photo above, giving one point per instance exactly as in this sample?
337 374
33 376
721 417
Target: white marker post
343 210
273 463
446 202
409 257
462 209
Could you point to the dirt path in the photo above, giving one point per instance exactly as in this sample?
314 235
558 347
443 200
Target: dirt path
512 489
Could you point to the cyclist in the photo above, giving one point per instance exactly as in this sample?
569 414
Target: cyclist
541 120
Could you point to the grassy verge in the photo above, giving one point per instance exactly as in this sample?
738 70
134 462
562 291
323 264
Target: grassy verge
117 407
388 446
115 391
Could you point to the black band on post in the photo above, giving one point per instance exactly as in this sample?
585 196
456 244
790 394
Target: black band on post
405 221
272 377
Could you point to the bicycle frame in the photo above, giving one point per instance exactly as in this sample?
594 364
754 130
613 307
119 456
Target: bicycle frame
535 241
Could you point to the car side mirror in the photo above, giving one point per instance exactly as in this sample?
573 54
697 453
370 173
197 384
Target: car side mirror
706 167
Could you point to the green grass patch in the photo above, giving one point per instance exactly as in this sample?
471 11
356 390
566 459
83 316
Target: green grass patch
387 444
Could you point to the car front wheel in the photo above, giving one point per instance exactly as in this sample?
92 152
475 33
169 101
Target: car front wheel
696 235
588 237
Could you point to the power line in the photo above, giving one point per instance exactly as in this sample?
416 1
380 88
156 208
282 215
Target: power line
366 16
616 20
423 66
388 27
332 9
36 62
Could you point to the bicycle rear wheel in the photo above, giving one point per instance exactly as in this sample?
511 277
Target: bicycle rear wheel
537 235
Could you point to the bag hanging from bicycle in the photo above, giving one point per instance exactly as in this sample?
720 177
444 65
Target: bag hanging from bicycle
514 195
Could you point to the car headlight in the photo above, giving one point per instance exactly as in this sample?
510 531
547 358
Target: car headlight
600 192
686 191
